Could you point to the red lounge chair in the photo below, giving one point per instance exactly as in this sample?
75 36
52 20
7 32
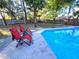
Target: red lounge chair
17 36
22 29
26 33
15 33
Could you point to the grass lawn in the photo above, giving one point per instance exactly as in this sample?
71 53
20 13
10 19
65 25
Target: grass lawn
4 30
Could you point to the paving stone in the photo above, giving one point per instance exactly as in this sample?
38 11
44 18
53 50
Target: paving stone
38 50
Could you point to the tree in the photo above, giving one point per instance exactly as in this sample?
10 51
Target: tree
52 6
23 6
55 5
35 5
2 5
6 4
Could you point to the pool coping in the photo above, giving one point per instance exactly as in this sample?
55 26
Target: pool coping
42 30
39 32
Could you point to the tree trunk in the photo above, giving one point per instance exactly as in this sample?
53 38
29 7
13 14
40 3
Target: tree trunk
12 13
24 8
35 14
68 13
3 19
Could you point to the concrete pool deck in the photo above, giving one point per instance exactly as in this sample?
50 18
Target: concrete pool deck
38 50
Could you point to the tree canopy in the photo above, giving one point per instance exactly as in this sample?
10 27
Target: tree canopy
55 5
52 7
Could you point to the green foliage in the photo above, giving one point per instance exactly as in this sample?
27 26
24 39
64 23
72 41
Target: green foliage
37 4
7 5
2 3
52 6
55 5
76 13
67 1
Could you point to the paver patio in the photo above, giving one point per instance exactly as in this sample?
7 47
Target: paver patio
38 50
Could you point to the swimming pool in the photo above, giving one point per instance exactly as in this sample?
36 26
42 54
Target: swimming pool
64 42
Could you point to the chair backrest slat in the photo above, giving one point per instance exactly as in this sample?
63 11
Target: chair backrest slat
28 30
15 33
29 37
22 29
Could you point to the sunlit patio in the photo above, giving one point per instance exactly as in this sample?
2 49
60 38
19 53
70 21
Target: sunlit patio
38 50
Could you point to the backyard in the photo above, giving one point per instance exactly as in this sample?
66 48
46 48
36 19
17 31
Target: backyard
39 29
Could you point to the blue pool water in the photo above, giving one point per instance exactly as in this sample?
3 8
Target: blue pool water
64 42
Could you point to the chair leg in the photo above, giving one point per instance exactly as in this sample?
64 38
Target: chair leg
31 42
19 43
16 45
26 43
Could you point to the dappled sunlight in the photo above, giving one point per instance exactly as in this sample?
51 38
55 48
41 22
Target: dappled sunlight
4 32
